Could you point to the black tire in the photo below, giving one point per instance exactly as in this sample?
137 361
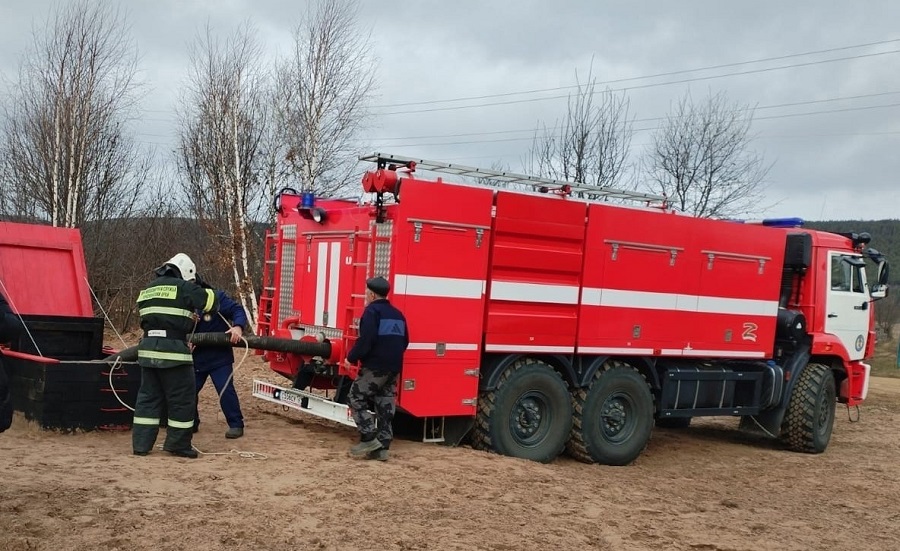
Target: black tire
529 415
613 416
809 420
673 422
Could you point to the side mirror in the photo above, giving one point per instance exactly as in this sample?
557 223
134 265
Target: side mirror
881 273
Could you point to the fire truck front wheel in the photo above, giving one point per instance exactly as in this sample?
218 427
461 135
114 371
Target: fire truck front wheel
613 416
529 415
810 416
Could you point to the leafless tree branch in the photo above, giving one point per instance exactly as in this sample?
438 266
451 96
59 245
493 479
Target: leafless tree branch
591 145
66 157
224 118
701 159
321 93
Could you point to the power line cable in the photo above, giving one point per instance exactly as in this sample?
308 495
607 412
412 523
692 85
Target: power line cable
518 153
657 75
648 119
636 130
643 86
828 111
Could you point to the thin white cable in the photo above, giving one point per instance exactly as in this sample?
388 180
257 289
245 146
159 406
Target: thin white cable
239 364
762 428
97 300
16 311
236 367
115 366
239 453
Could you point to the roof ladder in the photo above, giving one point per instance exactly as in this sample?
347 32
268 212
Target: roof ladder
543 185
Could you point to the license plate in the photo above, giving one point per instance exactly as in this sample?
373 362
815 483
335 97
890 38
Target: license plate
288 396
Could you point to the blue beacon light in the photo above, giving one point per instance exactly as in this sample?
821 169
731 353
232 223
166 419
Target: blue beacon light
783 222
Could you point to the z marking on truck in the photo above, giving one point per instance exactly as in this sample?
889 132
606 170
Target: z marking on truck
750 332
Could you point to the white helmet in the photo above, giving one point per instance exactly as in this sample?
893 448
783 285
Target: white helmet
185 265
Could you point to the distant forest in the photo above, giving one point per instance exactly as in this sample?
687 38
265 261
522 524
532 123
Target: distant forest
885 238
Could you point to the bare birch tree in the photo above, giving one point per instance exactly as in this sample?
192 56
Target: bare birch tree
591 145
157 229
223 119
321 95
701 159
65 154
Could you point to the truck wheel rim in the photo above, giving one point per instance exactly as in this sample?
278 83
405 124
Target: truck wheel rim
529 419
616 417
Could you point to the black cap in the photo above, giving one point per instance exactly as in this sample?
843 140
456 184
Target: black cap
379 286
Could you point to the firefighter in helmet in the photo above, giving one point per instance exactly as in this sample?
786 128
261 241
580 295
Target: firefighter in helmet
167 308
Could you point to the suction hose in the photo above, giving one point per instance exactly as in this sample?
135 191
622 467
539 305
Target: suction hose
306 348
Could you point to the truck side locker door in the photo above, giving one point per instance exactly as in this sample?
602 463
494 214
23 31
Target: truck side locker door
439 271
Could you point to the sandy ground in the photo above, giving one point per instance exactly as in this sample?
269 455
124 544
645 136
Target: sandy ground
705 488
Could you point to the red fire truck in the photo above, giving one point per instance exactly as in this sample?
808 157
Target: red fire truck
555 319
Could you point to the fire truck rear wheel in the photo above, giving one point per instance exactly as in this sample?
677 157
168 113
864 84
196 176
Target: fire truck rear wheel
529 415
810 416
613 417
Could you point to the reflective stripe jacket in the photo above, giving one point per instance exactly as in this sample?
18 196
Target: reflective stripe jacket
167 317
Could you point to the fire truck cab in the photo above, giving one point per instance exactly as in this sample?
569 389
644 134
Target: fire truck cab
554 319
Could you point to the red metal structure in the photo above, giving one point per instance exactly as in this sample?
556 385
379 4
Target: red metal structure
541 321
58 378
43 257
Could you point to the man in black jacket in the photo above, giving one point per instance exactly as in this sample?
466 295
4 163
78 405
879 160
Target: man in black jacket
383 338
10 327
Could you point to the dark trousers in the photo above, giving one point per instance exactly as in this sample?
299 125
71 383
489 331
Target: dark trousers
231 406
6 409
378 389
173 390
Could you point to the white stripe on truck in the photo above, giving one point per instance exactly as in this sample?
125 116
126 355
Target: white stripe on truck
446 287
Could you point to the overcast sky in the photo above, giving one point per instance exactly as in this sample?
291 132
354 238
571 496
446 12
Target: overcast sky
829 126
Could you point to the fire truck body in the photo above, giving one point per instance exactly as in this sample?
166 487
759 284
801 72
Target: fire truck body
540 321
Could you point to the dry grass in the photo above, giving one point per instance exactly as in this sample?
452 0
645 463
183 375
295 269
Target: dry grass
885 362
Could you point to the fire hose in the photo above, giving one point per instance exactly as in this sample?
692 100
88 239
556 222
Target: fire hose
306 348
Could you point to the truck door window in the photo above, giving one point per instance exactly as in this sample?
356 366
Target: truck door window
847 274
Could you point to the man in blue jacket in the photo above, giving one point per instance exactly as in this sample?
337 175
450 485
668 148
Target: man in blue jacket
217 362
383 339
